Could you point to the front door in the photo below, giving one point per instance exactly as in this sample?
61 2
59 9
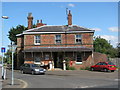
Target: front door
58 60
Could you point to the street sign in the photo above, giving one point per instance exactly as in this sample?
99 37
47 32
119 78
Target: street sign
3 50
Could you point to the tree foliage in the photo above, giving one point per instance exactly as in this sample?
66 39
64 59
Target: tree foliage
103 46
14 31
17 30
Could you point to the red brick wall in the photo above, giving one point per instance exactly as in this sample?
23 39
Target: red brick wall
49 40
89 61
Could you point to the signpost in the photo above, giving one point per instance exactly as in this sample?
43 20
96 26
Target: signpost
3 51
12 48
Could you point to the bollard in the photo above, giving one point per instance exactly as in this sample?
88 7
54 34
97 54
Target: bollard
4 73
64 65
50 65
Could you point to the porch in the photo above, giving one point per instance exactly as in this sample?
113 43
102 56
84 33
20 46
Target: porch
53 57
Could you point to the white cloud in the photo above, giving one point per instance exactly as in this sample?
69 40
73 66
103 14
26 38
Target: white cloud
96 29
112 39
71 5
113 29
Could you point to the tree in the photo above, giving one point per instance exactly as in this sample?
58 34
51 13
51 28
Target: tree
103 46
17 30
14 31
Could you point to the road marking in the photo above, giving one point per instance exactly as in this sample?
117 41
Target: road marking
116 79
25 83
86 86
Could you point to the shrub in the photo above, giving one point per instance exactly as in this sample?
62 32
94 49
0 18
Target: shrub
71 68
86 68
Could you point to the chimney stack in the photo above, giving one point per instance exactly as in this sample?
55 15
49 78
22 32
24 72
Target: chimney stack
69 18
39 23
30 20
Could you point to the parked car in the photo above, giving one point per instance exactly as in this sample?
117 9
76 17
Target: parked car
32 68
104 66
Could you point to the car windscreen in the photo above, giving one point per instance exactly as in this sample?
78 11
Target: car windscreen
35 65
110 63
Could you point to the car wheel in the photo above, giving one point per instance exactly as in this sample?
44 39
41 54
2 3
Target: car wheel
22 72
32 72
105 70
112 70
92 69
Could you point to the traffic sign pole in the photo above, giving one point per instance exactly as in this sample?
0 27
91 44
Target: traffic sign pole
3 51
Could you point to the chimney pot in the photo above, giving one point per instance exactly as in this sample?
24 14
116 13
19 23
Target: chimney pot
41 21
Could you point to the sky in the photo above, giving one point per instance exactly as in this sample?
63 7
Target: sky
99 16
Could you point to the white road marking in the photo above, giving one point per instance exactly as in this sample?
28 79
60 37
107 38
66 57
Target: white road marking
25 83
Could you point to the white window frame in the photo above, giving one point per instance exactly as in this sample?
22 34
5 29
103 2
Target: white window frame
35 40
78 38
56 39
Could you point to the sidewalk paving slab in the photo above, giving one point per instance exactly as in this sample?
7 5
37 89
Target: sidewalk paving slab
17 83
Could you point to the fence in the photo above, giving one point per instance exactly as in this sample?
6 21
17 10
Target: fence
116 61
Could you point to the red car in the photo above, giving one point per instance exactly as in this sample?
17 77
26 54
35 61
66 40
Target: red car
104 66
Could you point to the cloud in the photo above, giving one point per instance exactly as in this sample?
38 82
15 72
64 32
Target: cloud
112 39
71 5
96 29
113 29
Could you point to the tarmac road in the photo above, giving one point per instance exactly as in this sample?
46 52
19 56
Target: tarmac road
70 79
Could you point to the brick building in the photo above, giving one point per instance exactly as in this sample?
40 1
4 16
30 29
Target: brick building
47 45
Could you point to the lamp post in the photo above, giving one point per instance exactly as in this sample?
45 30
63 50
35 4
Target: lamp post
3 49
12 48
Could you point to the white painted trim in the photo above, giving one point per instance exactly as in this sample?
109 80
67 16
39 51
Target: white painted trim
55 38
56 32
19 34
78 62
76 38
35 40
37 63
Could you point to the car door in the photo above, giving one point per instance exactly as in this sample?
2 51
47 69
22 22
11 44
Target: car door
28 70
103 66
97 66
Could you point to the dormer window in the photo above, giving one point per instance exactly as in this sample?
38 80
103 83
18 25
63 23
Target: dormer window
37 40
78 39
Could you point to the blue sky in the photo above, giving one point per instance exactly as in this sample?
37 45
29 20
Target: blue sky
101 16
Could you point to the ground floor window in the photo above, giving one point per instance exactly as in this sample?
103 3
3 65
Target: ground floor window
47 56
79 57
37 57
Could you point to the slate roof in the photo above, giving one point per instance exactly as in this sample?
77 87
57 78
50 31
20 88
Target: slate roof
58 49
56 29
59 28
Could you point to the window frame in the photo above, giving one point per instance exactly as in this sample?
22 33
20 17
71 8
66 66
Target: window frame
60 39
78 38
78 62
47 57
37 39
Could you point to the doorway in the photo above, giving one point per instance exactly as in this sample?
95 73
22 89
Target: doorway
58 60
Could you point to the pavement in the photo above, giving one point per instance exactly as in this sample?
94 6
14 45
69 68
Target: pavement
7 83
18 83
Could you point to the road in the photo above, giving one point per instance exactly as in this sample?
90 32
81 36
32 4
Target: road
69 79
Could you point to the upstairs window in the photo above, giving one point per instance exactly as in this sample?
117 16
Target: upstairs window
58 39
37 40
78 39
